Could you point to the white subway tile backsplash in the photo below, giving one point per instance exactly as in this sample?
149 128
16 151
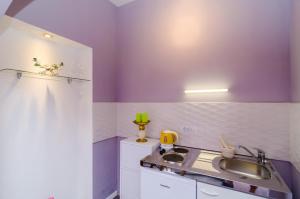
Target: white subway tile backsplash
295 135
104 120
274 127
263 125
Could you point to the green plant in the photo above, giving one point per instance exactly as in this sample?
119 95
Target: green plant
51 70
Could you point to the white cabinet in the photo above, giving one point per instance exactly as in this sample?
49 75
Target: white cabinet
129 184
162 185
137 182
131 153
159 185
206 191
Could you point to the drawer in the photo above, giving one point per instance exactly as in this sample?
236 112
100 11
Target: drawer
206 191
158 185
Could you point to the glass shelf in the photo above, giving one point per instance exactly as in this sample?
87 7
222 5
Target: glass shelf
20 74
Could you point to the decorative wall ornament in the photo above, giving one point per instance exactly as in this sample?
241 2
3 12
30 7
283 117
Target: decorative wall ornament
51 70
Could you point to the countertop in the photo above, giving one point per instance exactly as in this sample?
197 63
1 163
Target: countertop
202 165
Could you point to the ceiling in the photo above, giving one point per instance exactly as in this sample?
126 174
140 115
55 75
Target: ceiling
4 4
119 3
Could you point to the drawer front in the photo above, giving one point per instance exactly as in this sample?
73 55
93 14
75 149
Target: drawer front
158 185
129 184
130 155
206 191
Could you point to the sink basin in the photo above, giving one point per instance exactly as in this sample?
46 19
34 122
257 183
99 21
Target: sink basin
246 169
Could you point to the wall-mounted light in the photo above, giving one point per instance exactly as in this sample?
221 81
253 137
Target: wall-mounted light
221 90
48 36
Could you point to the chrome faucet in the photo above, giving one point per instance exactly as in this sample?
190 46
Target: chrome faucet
261 155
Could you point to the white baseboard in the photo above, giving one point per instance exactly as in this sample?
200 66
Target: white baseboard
113 195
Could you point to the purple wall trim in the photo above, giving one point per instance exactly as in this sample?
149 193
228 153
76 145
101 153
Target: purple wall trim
91 22
105 168
243 45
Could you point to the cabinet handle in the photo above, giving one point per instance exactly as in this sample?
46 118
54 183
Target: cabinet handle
209 193
165 186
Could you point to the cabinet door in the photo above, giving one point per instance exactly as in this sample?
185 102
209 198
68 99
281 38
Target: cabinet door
159 185
131 155
206 191
129 184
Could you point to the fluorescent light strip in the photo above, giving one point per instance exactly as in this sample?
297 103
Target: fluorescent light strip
223 90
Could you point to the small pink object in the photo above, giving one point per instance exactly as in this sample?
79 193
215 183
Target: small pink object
51 197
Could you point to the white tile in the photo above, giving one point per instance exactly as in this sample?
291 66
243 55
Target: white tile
104 121
263 125
295 135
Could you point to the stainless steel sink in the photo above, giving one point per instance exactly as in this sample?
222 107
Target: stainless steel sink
245 168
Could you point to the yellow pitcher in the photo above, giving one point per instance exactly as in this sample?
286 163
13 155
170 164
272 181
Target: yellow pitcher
168 137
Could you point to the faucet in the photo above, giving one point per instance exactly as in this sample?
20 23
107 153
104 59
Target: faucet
261 155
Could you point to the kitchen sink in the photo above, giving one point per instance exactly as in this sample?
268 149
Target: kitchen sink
245 168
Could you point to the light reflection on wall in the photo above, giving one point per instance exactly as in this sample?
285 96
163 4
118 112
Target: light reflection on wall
184 25
185 32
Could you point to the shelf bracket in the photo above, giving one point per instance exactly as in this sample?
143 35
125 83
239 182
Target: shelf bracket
19 75
70 80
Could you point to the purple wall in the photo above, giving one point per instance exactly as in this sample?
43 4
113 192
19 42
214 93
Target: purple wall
290 175
285 170
295 77
295 50
296 183
91 22
4 4
167 46
196 44
105 168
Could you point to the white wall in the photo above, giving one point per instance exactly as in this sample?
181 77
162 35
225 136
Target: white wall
46 125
